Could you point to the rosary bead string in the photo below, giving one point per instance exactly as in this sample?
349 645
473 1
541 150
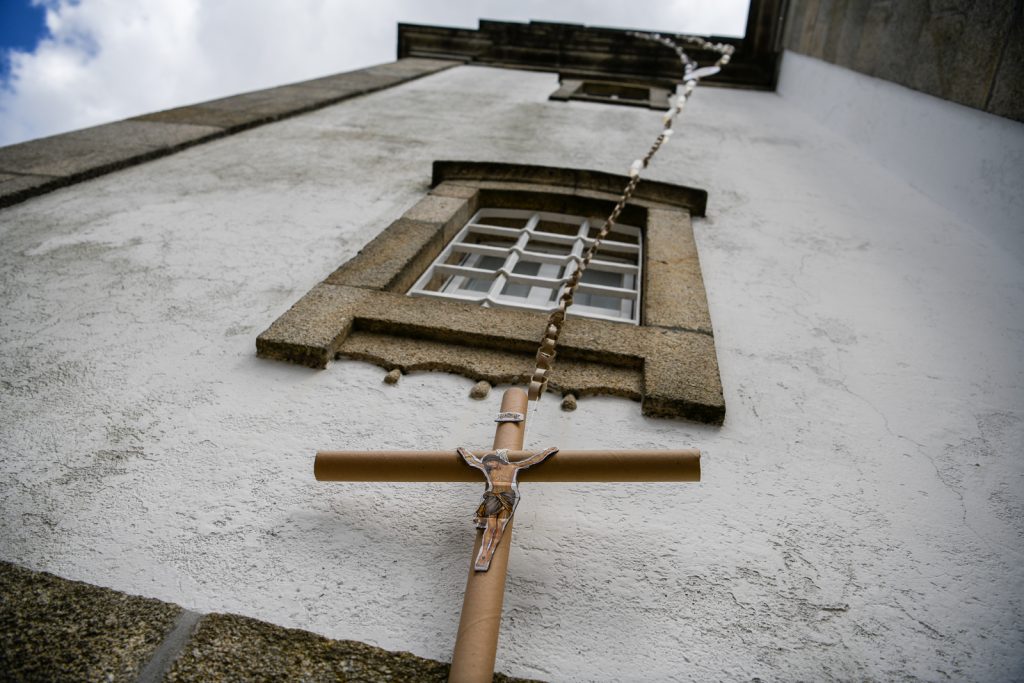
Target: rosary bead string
692 74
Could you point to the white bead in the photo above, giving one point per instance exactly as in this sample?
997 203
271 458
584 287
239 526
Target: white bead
634 169
706 71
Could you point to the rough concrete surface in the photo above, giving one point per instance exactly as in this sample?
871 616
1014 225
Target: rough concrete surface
860 514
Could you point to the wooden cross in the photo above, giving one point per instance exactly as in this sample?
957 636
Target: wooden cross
477 641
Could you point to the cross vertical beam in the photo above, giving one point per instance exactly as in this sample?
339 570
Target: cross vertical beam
476 644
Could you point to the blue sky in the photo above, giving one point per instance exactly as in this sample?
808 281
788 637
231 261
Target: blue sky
22 25
68 64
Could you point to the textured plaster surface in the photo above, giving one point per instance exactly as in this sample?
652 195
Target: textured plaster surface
861 511
969 162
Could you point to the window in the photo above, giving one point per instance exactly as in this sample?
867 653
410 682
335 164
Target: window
614 91
461 283
632 93
506 258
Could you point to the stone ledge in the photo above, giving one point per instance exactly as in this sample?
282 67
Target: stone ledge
227 647
570 179
581 378
240 112
679 368
61 160
54 629
38 166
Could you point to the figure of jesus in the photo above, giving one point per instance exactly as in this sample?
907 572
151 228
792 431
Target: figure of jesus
500 497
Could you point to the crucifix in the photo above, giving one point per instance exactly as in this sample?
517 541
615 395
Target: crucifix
477 640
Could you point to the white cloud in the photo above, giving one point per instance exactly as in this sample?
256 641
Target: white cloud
109 59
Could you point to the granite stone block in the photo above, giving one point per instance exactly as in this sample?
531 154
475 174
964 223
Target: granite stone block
851 27
17 187
96 150
681 377
673 284
958 51
394 259
455 190
1007 95
962 51
52 629
227 647
795 14
229 120
817 37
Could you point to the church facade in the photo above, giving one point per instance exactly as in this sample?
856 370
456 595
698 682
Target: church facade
832 315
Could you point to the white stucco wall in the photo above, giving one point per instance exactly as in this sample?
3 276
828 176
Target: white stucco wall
968 161
861 510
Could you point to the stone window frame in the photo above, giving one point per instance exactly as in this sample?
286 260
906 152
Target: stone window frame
362 311
581 89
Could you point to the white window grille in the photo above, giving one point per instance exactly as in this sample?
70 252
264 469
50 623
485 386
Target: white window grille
507 258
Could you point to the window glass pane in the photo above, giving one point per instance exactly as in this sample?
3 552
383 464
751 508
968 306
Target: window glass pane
518 290
477 284
540 245
492 263
605 278
609 303
559 228
487 262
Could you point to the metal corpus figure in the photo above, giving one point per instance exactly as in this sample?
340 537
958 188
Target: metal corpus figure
500 498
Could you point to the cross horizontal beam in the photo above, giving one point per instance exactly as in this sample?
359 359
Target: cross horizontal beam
577 466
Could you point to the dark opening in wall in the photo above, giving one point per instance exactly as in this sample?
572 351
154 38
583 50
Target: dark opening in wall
612 92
